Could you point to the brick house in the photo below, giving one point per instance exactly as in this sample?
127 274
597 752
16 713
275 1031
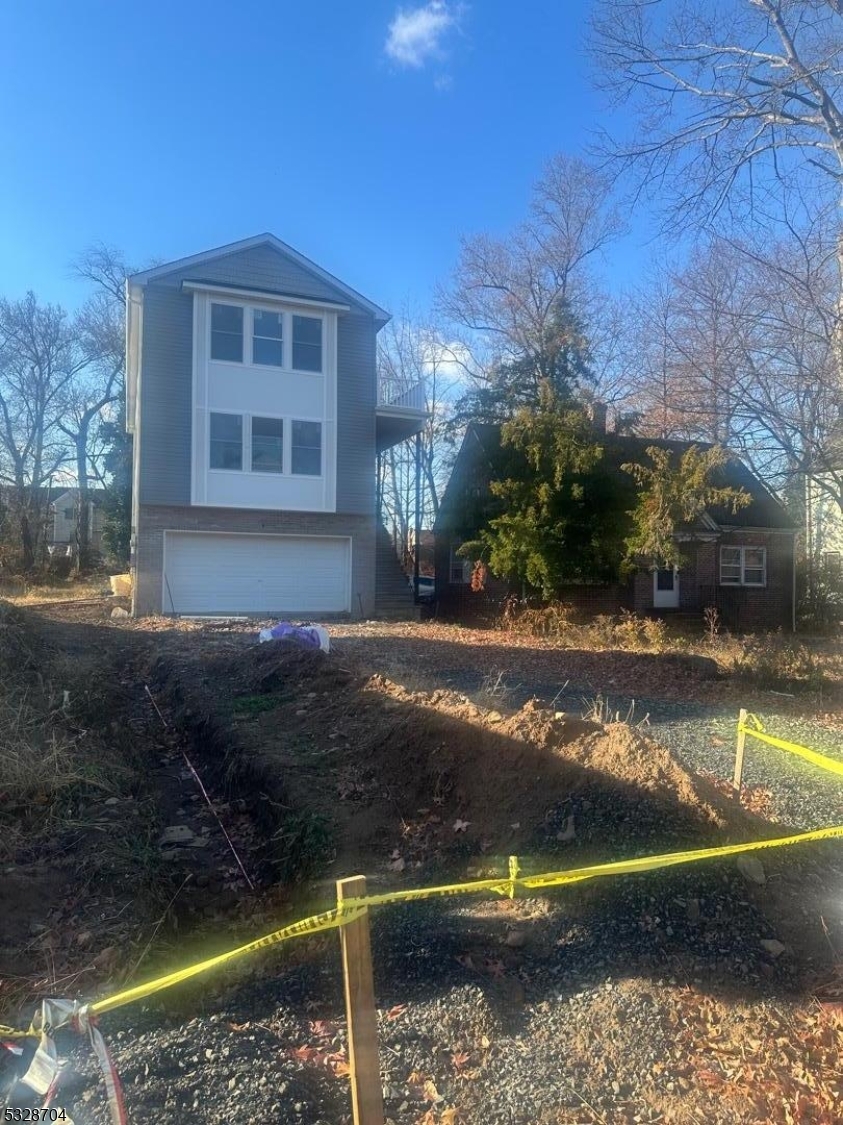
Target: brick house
743 563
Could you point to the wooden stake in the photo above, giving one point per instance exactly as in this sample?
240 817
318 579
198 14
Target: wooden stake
366 1093
739 754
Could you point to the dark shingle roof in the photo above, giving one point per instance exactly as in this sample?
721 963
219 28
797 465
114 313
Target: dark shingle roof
764 510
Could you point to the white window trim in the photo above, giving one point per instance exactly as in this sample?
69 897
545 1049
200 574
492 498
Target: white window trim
247 354
200 430
741 563
286 446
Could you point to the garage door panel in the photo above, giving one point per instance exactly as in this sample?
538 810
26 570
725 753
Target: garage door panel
217 573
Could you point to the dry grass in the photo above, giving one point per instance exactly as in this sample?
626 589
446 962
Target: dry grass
772 661
627 631
68 589
43 755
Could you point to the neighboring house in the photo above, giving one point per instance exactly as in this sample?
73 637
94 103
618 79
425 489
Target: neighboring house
742 563
61 528
252 397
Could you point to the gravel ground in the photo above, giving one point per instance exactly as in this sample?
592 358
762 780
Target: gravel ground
702 736
576 1020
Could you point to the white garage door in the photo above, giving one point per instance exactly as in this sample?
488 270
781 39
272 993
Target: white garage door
263 574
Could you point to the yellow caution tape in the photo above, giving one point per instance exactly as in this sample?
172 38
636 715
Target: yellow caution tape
350 909
16 1033
756 730
328 920
652 863
354 907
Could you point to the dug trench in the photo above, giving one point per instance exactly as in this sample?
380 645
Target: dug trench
320 768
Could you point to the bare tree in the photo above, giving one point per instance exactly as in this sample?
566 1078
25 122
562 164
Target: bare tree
37 364
691 338
412 354
509 298
99 377
734 98
94 386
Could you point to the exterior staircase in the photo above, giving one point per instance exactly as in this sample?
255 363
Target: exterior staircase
393 592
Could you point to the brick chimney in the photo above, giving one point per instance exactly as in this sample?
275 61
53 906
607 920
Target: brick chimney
597 411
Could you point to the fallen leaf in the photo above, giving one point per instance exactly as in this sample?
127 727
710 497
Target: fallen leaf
323 1029
449 1116
430 1091
397 1011
397 864
461 825
240 1026
460 1058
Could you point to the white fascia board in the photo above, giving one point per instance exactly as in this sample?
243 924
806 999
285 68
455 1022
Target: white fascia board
134 331
260 296
144 276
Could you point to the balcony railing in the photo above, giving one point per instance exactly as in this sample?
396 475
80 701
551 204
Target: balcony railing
411 399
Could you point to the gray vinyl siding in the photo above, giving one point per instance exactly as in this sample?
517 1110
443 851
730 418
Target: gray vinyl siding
356 401
167 378
262 267
165 400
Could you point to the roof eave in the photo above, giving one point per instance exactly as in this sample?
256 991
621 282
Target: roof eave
144 276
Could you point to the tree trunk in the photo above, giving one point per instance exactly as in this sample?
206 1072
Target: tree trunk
82 531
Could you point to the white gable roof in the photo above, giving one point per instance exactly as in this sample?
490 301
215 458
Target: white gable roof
250 243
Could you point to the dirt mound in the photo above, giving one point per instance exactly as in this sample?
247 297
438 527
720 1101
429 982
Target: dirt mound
363 772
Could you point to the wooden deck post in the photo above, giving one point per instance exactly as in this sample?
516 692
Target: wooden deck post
738 779
365 1076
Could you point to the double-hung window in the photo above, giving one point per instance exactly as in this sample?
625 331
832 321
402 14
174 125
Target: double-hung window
227 332
267 445
226 441
267 330
306 448
307 343
267 338
743 566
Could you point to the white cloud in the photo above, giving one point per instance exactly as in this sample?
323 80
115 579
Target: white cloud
416 35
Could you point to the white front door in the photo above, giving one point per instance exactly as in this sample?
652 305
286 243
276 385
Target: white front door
666 588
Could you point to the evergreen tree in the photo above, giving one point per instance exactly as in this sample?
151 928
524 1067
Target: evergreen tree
558 360
672 495
560 512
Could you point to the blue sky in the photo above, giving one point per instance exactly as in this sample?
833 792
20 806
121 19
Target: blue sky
368 144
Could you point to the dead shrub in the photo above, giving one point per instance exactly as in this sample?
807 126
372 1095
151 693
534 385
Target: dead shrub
551 620
779 664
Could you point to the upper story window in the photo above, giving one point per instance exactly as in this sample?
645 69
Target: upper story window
241 334
268 337
307 343
743 566
227 332
226 441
